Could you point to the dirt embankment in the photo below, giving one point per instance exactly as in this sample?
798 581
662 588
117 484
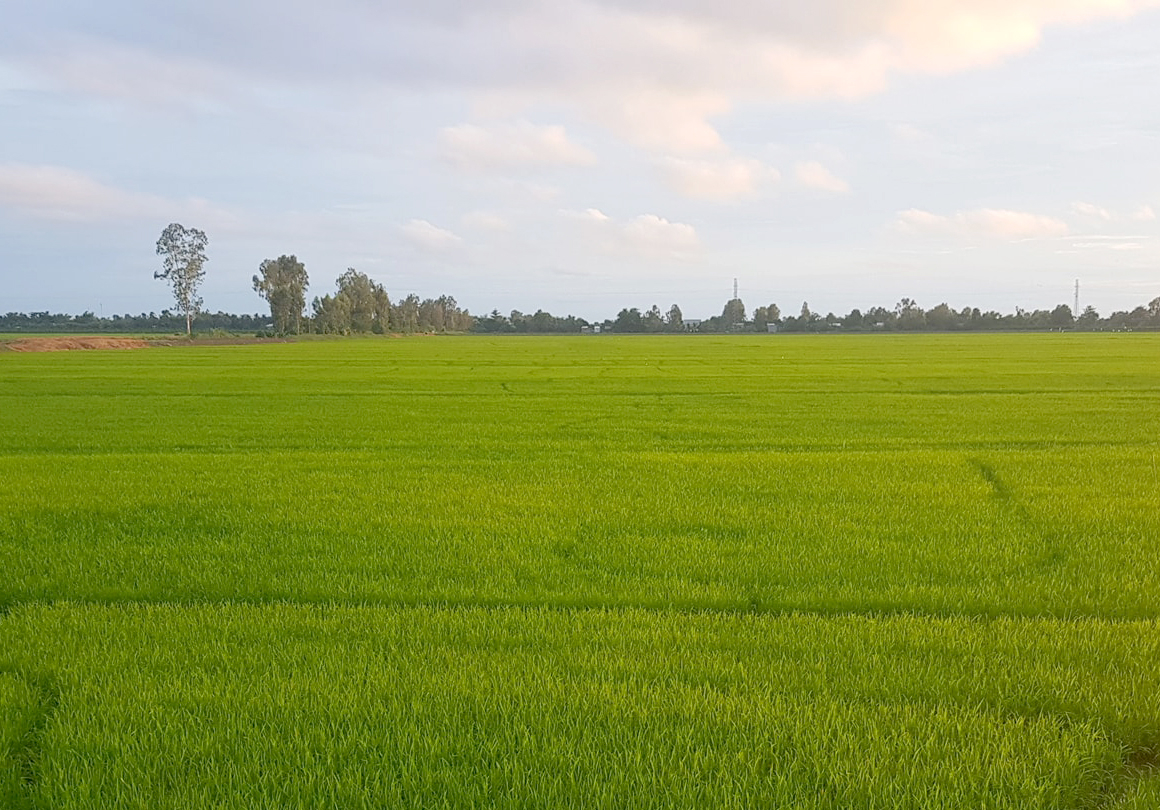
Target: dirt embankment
64 344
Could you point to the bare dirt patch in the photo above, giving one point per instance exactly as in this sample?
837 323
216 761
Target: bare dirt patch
64 344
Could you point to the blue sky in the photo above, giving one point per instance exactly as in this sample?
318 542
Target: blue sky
585 155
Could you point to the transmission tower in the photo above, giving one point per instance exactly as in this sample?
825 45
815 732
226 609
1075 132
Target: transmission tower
735 296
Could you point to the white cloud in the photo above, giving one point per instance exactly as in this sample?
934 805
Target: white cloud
65 195
655 73
1010 225
987 223
717 179
1092 211
909 133
661 119
667 70
54 192
486 221
422 234
594 215
1110 242
1144 214
139 74
513 146
816 176
646 236
915 220
656 237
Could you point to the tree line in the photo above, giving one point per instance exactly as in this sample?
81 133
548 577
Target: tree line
359 304
905 316
162 323
908 316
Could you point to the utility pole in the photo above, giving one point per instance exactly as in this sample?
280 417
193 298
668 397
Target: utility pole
735 296
1075 312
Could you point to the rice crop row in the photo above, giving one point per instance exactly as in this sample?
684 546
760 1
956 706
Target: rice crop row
288 705
405 472
773 531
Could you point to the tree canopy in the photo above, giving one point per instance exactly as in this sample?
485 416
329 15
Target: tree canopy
183 266
283 282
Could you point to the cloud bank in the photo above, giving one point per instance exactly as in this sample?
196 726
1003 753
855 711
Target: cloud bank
511 146
61 194
656 74
425 236
724 179
646 236
986 223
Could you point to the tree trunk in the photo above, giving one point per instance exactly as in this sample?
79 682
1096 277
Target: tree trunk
188 325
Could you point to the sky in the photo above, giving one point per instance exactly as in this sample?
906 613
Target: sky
581 156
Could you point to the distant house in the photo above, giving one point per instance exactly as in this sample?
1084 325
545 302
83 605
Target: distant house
692 324
771 328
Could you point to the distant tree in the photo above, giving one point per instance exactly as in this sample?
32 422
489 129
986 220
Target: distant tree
629 320
493 322
807 321
405 316
1137 318
360 304
733 315
541 322
653 320
430 316
443 314
359 291
519 321
381 303
183 266
1062 316
331 315
1089 319
283 283
764 316
675 320
909 314
942 318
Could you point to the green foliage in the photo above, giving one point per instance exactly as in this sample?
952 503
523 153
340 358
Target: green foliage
283 282
360 305
628 320
183 266
871 572
334 706
733 315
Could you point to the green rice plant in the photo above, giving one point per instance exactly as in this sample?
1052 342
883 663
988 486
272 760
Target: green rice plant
890 571
286 705
24 708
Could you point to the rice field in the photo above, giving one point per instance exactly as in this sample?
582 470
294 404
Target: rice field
766 571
